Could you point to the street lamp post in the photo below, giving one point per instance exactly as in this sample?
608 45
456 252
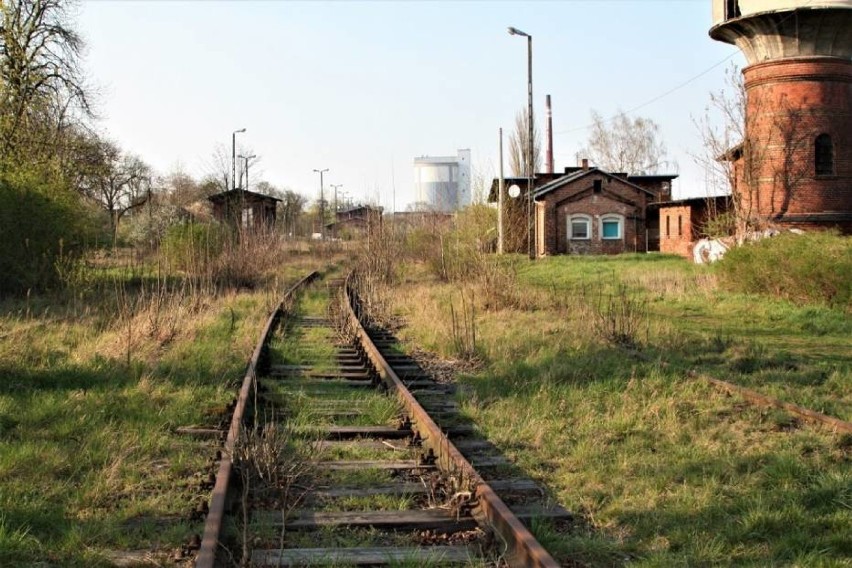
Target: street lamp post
530 160
322 204
234 157
335 186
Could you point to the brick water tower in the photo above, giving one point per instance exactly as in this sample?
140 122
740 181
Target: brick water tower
794 168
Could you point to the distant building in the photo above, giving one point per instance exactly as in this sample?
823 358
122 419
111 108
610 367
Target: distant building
430 220
356 221
442 184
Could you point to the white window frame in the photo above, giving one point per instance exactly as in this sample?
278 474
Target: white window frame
608 218
248 217
580 217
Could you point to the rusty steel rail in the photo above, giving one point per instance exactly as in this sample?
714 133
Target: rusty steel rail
523 550
213 525
761 399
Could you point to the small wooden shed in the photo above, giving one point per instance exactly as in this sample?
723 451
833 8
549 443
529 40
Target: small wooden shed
243 208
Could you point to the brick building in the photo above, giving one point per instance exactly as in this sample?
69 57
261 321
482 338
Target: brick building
598 202
590 211
682 222
795 167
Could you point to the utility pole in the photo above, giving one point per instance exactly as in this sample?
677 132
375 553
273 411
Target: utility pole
247 158
234 157
500 200
322 204
334 229
530 159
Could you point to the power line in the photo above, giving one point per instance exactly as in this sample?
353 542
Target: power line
677 87
655 99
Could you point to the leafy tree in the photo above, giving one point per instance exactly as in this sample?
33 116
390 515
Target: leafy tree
292 209
44 107
627 145
43 228
42 91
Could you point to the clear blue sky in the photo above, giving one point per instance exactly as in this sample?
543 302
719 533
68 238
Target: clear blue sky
362 88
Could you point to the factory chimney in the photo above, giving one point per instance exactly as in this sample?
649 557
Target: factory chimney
548 166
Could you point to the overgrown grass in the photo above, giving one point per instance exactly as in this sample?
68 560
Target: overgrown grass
815 268
662 468
90 396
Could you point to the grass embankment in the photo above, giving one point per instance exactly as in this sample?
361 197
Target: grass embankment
663 468
92 386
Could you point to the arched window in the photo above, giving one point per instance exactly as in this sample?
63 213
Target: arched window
823 156
579 227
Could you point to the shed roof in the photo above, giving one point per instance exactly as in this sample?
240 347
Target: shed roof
377 209
233 193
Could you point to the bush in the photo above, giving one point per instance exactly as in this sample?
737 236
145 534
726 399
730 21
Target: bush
219 255
456 252
193 247
43 228
811 268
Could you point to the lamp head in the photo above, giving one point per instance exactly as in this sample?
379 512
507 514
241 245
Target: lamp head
240 130
516 31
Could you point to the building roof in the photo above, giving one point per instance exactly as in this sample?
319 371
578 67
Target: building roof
361 208
238 193
661 177
521 181
571 174
574 176
690 201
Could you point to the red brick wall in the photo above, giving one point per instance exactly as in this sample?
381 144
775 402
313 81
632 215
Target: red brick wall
553 210
676 234
789 103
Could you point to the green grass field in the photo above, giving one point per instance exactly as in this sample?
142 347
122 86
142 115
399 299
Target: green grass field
663 469
92 388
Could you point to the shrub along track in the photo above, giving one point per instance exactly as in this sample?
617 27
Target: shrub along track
344 452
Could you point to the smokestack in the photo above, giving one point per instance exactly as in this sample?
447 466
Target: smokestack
585 163
548 166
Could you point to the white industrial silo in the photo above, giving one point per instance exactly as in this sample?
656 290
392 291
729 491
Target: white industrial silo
442 183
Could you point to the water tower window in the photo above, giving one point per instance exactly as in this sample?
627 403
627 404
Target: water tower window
823 155
732 9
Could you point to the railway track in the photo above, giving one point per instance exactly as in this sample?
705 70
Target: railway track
343 451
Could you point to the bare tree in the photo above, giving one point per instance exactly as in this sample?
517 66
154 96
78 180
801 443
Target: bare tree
42 90
745 148
181 188
519 146
119 182
219 167
627 145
